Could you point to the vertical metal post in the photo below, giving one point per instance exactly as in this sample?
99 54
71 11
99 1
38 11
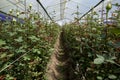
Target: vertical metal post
62 8
102 12
25 3
38 7
61 14
77 11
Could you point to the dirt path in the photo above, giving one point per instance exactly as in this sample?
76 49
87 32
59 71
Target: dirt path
59 65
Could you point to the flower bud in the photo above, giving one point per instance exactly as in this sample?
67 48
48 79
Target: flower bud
14 20
11 10
18 13
93 29
109 6
83 38
30 6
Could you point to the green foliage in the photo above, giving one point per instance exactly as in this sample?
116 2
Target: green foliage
99 78
34 41
112 76
94 57
115 31
94 51
2 42
99 60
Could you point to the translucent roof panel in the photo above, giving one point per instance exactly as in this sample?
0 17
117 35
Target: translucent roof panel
69 9
7 5
55 8
66 9
58 10
21 6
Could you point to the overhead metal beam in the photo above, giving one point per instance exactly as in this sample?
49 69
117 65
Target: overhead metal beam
62 8
44 9
15 4
79 3
57 4
91 9
64 19
64 15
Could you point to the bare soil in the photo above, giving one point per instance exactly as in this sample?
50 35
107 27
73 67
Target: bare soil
59 67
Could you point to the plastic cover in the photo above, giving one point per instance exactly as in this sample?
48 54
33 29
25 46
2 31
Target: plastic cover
59 10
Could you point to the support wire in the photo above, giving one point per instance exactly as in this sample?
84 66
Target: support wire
91 9
13 62
44 9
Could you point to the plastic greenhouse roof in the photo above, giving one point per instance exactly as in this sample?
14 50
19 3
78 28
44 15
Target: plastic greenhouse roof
58 10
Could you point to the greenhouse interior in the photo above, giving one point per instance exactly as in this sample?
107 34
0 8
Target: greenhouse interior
59 39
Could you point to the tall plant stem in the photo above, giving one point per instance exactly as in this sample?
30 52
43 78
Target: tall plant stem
106 29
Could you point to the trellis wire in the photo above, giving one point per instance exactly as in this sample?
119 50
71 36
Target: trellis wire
14 61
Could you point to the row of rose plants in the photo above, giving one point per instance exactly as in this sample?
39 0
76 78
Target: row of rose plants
25 47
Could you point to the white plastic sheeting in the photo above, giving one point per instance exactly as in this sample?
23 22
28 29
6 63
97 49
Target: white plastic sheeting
70 8
59 10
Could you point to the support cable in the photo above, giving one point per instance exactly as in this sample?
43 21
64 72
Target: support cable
14 61
91 9
44 9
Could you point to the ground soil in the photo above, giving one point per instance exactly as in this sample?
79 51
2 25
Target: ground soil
59 66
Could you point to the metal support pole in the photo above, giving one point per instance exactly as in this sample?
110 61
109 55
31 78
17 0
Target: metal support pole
25 3
91 9
102 13
44 9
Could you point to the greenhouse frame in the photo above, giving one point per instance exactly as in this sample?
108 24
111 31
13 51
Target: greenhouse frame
60 40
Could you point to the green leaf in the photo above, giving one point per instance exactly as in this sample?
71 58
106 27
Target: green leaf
117 45
10 55
110 60
99 78
33 38
21 51
36 51
27 57
12 33
99 56
2 42
6 47
21 64
89 54
111 76
116 31
21 30
3 55
19 39
113 57
99 60
8 77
